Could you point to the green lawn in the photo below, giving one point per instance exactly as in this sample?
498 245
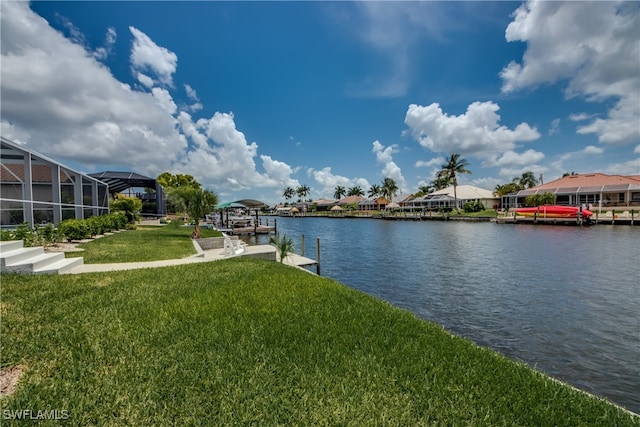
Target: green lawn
246 341
146 243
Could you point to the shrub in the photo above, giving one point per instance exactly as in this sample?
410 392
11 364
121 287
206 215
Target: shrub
475 206
50 235
75 229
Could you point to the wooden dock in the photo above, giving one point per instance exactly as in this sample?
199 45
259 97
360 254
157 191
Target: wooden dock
261 229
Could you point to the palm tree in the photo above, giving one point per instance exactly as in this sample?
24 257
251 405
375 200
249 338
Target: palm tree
527 180
284 246
288 193
425 189
339 192
508 188
450 171
302 191
374 191
440 183
355 191
389 188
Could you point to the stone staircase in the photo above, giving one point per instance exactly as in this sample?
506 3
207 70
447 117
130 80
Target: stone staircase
15 258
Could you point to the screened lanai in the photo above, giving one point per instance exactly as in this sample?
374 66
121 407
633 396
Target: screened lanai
146 189
38 190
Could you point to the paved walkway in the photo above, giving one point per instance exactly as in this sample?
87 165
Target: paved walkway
256 251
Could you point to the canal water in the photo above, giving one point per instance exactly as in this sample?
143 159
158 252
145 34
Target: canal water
565 300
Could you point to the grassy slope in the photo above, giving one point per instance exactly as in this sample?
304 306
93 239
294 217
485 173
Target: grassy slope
248 341
146 243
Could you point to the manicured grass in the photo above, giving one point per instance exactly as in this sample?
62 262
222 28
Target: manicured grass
146 243
246 341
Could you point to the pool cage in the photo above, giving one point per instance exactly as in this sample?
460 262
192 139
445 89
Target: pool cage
37 190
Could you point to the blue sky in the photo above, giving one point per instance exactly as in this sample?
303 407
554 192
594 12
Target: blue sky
252 97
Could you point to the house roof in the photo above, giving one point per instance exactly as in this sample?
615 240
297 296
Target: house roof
586 183
350 199
465 192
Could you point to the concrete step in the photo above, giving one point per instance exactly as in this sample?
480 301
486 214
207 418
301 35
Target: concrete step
29 265
61 266
10 245
15 256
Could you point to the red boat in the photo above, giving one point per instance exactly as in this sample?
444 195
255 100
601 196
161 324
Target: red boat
554 211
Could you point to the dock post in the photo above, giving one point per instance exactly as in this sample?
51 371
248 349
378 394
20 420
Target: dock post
632 211
302 250
318 256
275 225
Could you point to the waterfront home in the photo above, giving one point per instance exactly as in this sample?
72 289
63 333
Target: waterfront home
596 189
444 199
350 200
373 204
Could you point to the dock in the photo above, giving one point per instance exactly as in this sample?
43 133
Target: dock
261 229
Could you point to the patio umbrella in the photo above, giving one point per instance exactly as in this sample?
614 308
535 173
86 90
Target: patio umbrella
336 208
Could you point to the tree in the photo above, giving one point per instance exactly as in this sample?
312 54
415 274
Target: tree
302 192
540 199
129 205
389 188
339 192
425 189
288 193
355 191
196 201
440 183
450 171
508 188
569 174
527 180
167 180
374 191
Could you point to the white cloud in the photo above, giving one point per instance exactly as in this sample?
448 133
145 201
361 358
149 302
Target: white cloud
592 149
384 155
164 99
103 52
637 149
55 91
579 117
60 101
328 181
436 161
145 80
630 167
488 183
511 158
476 132
148 56
279 172
191 92
555 123
586 151
594 46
